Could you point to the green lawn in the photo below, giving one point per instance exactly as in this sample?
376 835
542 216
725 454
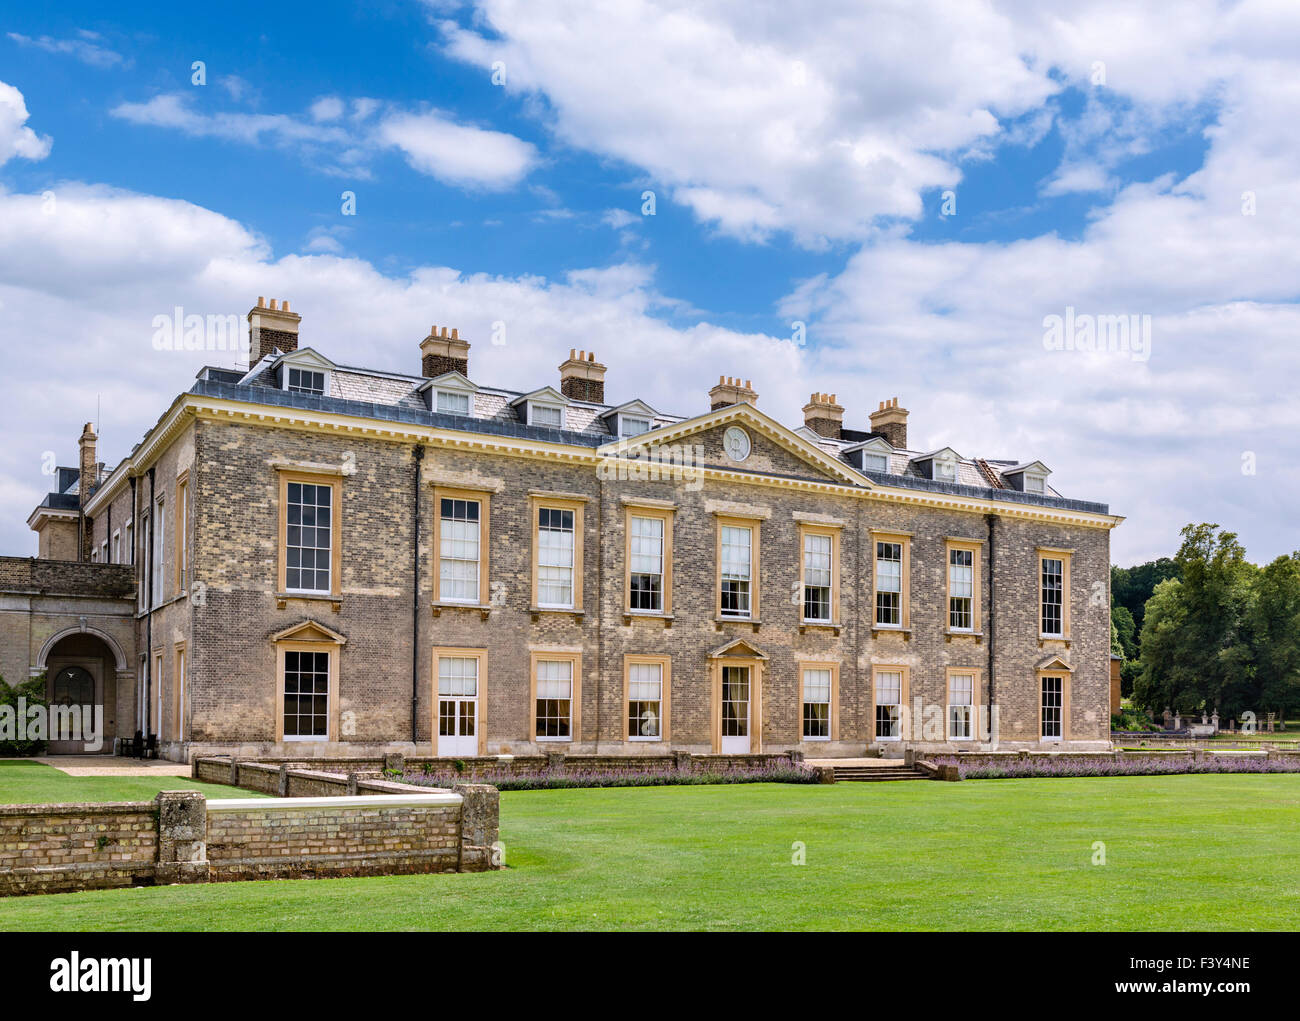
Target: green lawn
1183 853
31 782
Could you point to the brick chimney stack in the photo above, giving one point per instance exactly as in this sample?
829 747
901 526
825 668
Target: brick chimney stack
444 352
891 422
271 327
582 378
86 484
823 415
731 391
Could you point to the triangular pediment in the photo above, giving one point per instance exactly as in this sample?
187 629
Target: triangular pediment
1054 662
309 631
749 417
546 395
738 648
307 358
640 409
452 380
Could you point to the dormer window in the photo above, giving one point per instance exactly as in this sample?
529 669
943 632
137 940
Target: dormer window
945 469
1030 477
874 462
942 464
550 415
305 381
1035 483
630 425
452 403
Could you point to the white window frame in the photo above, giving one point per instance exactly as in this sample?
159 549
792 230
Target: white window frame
474 598
541 660
953 584
662 522
1042 597
157 539
633 668
572 565
830 577
535 406
873 462
624 420
329 694
328 550
806 701
288 370
880 587
1059 736
945 469
969 706
877 704
748 579
117 546
464 395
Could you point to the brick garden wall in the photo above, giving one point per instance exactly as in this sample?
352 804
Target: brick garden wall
182 838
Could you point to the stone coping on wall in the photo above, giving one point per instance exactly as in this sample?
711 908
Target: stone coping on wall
181 837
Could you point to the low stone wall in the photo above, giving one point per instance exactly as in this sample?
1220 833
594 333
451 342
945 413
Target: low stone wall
181 837
48 848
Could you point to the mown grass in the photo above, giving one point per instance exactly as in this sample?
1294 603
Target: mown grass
1181 853
33 782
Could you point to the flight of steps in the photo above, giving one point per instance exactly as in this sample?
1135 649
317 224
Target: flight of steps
877 774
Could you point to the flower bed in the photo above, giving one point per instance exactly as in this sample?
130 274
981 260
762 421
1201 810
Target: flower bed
1072 765
669 776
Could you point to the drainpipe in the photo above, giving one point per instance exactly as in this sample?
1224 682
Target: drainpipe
148 620
415 594
600 606
135 517
992 520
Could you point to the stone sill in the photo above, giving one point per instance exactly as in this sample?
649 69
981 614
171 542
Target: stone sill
629 616
282 599
719 621
906 632
537 611
483 609
949 635
819 625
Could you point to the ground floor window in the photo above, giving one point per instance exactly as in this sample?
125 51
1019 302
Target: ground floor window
889 705
645 687
306 696
817 703
554 704
961 705
457 696
1053 707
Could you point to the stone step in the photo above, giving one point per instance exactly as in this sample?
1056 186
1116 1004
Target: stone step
867 774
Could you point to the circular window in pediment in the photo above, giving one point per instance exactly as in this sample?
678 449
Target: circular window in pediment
736 443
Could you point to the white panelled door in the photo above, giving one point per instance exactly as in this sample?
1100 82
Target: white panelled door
457 706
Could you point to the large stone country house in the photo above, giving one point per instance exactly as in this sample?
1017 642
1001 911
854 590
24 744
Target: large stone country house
307 558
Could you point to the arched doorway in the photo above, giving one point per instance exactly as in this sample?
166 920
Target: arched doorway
81 675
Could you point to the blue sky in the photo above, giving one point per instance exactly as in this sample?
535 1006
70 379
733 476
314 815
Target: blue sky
799 163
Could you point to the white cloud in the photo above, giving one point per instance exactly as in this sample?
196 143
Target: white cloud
458 154
432 143
16 139
85 48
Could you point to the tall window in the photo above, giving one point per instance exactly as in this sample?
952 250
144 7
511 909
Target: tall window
817 703
554 702
182 532
117 547
309 540
458 550
457 696
645 693
646 567
961 705
1053 574
304 381
555 541
889 705
737 570
306 696
156 567
961 589
128 539
1053 707
889 584
817 570
452 403
178 698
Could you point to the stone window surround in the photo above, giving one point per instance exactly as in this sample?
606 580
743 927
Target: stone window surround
334 647
665 696
450 651
576 502
1064 675
312 478
903 692
976 549
834 532
483 497
976 699
565 655
735 518
666 515
904 539
834 667
1063 555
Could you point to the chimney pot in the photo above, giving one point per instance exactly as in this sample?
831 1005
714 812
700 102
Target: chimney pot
261 302
442 352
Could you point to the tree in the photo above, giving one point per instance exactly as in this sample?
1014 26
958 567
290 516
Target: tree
1161 676
1131 587
1275 633
32 692
1121 621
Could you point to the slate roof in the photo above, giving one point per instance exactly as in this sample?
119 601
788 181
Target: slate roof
393 396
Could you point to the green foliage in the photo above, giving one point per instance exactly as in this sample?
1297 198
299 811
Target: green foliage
1123 628
1226 636
33 693
1131 587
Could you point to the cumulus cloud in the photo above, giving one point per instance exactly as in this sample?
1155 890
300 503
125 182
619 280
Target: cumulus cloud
456 153
16 139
